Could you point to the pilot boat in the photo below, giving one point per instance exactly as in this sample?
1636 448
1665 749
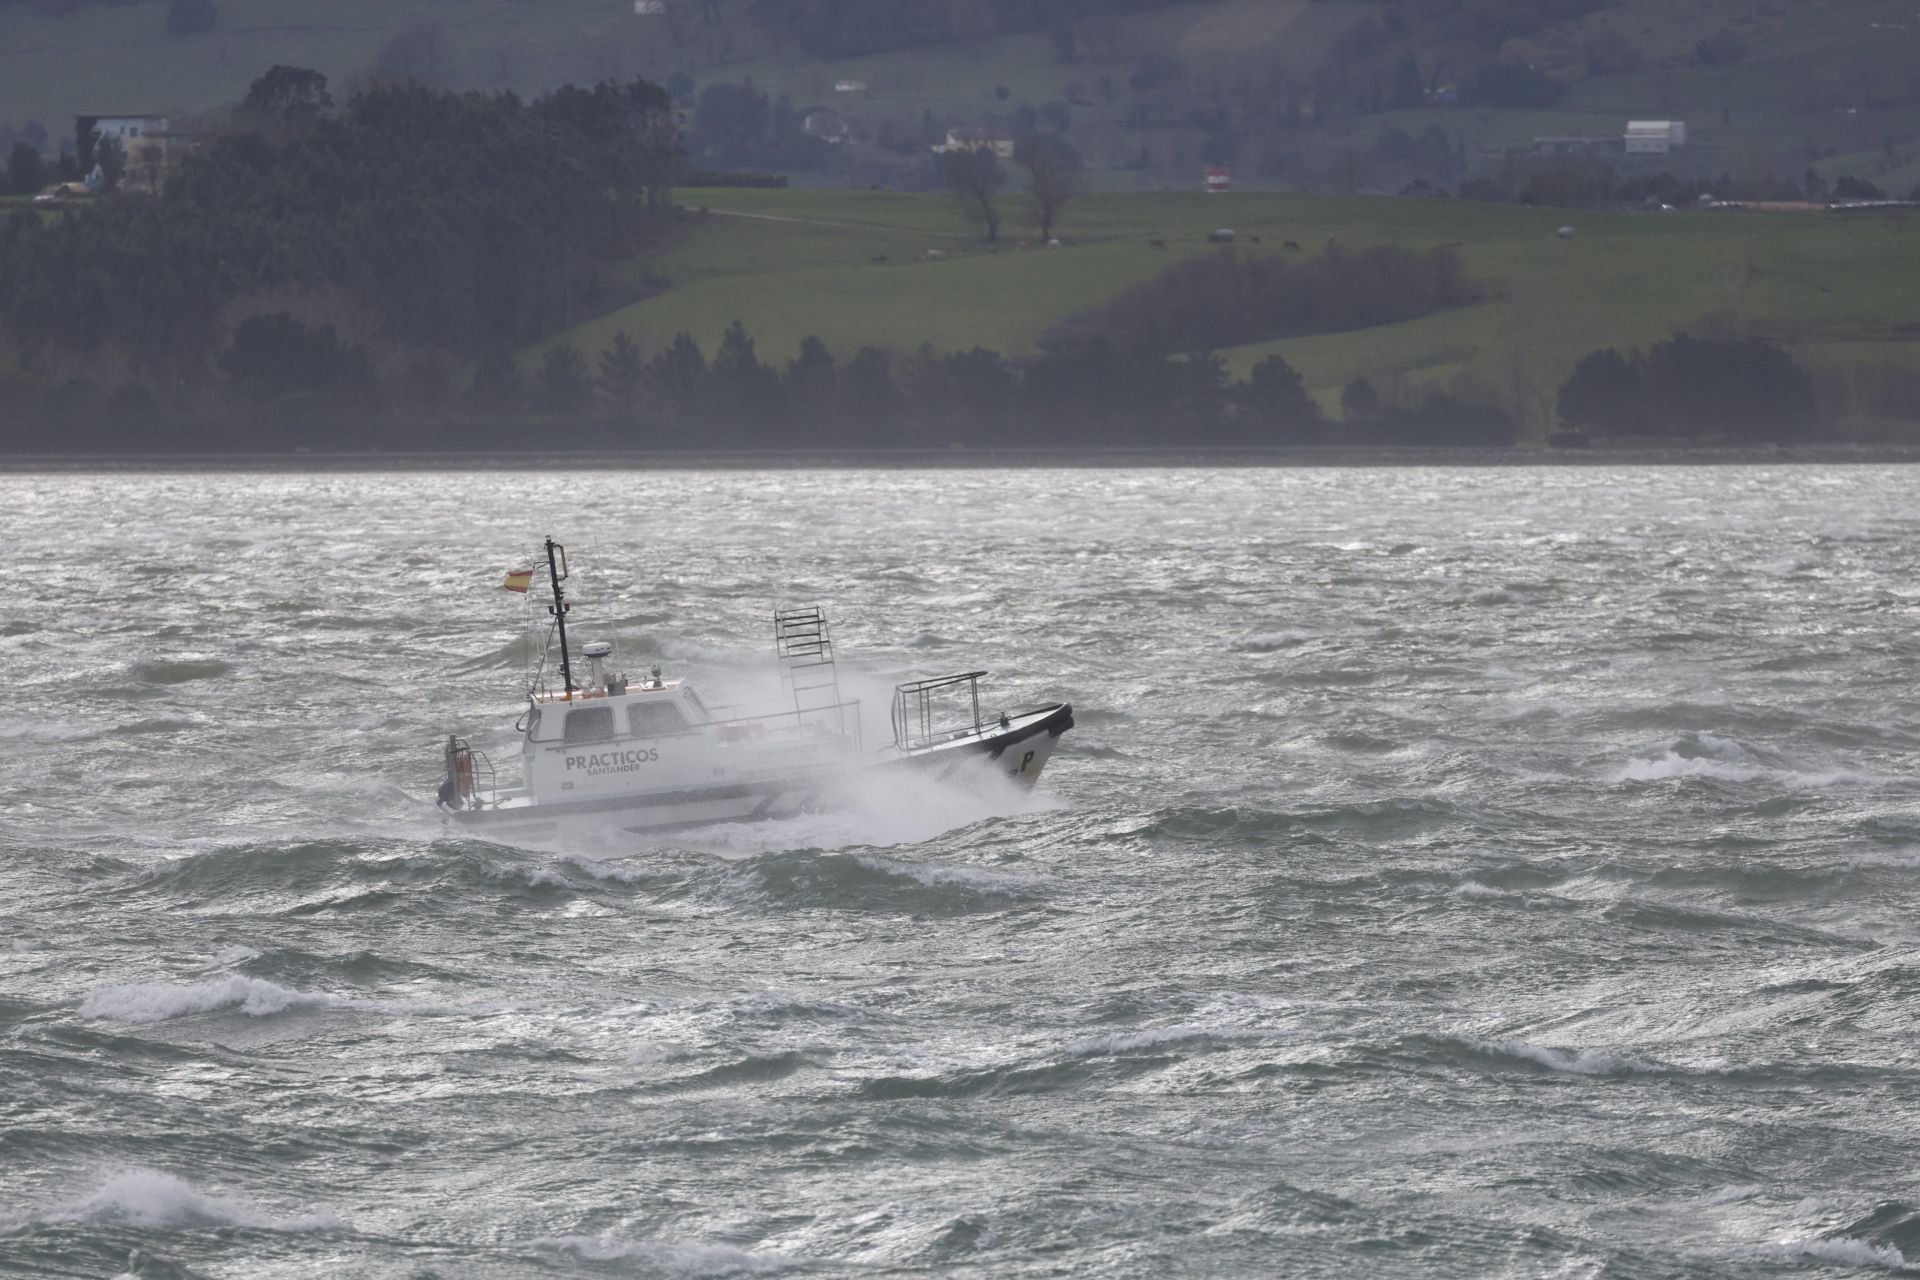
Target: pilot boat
651 753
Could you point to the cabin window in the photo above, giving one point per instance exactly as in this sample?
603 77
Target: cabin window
655 719
589 724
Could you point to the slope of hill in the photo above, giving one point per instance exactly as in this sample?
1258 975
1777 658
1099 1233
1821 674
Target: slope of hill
1295 93
793 263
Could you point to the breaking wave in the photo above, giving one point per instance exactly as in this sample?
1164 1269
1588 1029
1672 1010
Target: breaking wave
144 1197
1706 755
159 1001
1844 1250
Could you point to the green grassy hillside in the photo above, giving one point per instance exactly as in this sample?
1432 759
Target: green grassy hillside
793 263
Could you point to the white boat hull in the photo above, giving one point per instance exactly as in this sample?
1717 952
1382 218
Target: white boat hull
1018 750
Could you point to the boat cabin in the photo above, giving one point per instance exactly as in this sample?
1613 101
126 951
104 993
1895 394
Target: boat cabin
616 737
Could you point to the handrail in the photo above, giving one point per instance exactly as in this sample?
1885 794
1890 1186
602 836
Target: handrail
913 708
938 682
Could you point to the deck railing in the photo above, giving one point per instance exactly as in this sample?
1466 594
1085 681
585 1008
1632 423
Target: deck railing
927 712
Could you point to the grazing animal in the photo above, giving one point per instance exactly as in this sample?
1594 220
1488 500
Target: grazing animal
1291 246
1158 244
879 258
1255 239
936 255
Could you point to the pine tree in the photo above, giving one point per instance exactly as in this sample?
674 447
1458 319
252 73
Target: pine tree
680 371
622 372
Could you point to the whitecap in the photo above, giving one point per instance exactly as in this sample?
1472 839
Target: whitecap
937 874
604 870
159 1001
1707 755
152 1198
1267 641
1581 1062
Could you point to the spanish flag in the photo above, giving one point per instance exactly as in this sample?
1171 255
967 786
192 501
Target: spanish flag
518 580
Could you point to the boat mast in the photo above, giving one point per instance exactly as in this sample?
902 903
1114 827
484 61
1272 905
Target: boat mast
559 609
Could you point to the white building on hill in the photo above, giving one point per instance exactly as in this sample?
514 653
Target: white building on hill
1655 137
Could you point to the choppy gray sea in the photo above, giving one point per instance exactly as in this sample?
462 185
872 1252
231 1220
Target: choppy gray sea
1453 873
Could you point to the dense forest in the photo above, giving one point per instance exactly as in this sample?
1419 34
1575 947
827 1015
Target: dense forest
446 225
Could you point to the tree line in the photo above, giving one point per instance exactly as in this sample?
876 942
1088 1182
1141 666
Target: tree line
294 386
1591 181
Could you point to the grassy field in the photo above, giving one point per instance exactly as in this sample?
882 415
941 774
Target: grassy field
793 263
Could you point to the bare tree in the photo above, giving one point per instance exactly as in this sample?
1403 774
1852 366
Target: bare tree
1058 174
974 176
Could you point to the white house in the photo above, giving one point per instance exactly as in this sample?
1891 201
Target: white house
826 125
127 130
1655 137
998 141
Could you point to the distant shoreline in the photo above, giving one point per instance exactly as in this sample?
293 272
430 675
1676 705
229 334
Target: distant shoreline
960 459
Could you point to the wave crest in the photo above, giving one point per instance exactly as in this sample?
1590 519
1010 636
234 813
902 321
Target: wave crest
152 1198
159 1001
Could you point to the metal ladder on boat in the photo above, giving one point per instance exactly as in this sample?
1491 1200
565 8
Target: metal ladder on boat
804 645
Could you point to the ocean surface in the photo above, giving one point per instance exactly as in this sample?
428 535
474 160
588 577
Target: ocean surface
1454 873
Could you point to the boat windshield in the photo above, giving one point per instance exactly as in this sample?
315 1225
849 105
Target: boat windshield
589 724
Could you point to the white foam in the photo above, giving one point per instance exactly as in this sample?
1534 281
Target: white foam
1844 1250
1733 1195
1266 641
877 812
604 870
142 1002
935 874
151 1198
159 1001
1724 759
669 1259
1672 765
1582 1062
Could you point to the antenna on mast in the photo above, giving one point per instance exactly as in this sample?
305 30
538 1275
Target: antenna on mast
557 573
